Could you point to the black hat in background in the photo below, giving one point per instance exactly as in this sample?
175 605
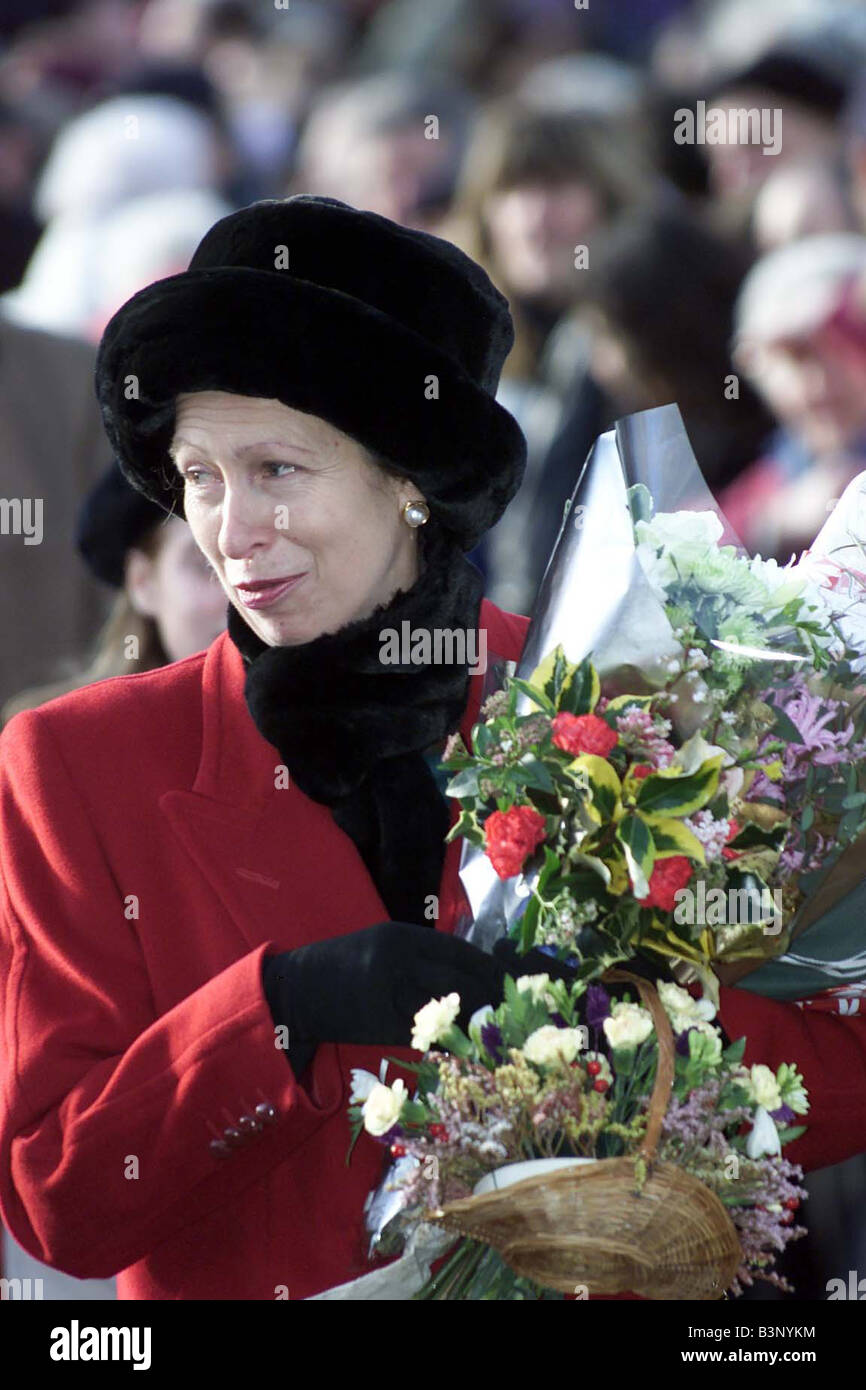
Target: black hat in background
112 518
393 335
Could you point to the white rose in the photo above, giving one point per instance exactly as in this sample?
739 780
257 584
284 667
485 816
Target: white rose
628 1025
763 1137
362 1084
682 1010
534 985
548 1045
433 1021
678 529
382 1106
764 1087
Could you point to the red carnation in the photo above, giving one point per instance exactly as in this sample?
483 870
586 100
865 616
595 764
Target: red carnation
667 877
583 733
510 836
641 770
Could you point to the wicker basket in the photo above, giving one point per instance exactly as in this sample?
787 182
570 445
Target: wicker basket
589 1226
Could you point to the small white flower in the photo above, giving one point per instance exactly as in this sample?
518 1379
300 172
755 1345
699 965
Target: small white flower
433 1021
534 985
548 1045
382 1107
682 1010
362 1084
765 1088
764 1136
628 1025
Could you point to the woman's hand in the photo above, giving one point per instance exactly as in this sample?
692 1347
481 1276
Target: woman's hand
366 987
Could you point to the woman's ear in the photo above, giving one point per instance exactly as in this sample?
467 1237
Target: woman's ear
139 581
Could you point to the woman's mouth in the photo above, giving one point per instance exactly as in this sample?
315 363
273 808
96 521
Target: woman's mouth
261 593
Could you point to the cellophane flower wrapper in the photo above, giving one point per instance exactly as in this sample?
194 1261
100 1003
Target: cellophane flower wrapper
597 601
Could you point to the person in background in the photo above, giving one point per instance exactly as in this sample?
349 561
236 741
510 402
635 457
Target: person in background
801 200
800 339
371 141
52 448
658 313
168 602
537 193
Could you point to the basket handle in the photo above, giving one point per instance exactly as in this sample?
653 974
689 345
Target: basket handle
665 1070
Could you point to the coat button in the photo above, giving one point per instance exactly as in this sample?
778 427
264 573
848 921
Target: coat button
249 1125
266 1112
233 1136
220 1148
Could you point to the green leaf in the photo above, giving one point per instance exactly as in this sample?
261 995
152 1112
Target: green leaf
464 784
536 774
482 738
672 837
602 780
661 795
580 695
532 693
733 1055
635 836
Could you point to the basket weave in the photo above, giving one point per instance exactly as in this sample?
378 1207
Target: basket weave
589 1226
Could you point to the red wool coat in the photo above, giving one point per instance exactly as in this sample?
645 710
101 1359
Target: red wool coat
147 863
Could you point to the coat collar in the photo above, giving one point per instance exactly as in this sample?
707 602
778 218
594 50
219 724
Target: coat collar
236 821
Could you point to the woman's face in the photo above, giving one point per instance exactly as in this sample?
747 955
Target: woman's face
534 231
176 587
303 530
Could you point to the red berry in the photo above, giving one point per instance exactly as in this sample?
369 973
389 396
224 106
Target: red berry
792 1203
398 1150
786 1218
593 1068
438 1131
600 1085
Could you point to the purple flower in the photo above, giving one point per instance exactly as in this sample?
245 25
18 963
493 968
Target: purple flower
558 1020
597 1006
784 1113
682 1042
491 1039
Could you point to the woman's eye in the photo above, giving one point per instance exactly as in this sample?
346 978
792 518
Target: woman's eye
279 463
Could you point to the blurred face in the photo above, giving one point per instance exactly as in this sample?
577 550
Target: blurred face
817 393
741 169
304 532
534 229
177 588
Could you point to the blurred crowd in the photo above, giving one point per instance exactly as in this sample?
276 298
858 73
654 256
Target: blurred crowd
645 262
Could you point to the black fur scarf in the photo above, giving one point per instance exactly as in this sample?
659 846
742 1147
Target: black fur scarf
352 731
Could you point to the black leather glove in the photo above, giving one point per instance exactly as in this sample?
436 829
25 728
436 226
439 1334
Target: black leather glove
366 987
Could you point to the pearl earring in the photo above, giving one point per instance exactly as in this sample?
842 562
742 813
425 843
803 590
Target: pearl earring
416 513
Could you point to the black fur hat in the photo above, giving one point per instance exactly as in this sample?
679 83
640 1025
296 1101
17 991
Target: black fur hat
113 518
393 335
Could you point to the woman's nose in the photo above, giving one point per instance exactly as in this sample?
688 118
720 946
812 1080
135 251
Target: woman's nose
246 521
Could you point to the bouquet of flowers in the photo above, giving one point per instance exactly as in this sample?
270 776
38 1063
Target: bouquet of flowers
525 1084
687 792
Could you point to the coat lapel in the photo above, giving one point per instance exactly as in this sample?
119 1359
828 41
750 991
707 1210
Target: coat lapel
277 860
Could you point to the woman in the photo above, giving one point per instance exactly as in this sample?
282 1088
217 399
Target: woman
168 602
209 867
